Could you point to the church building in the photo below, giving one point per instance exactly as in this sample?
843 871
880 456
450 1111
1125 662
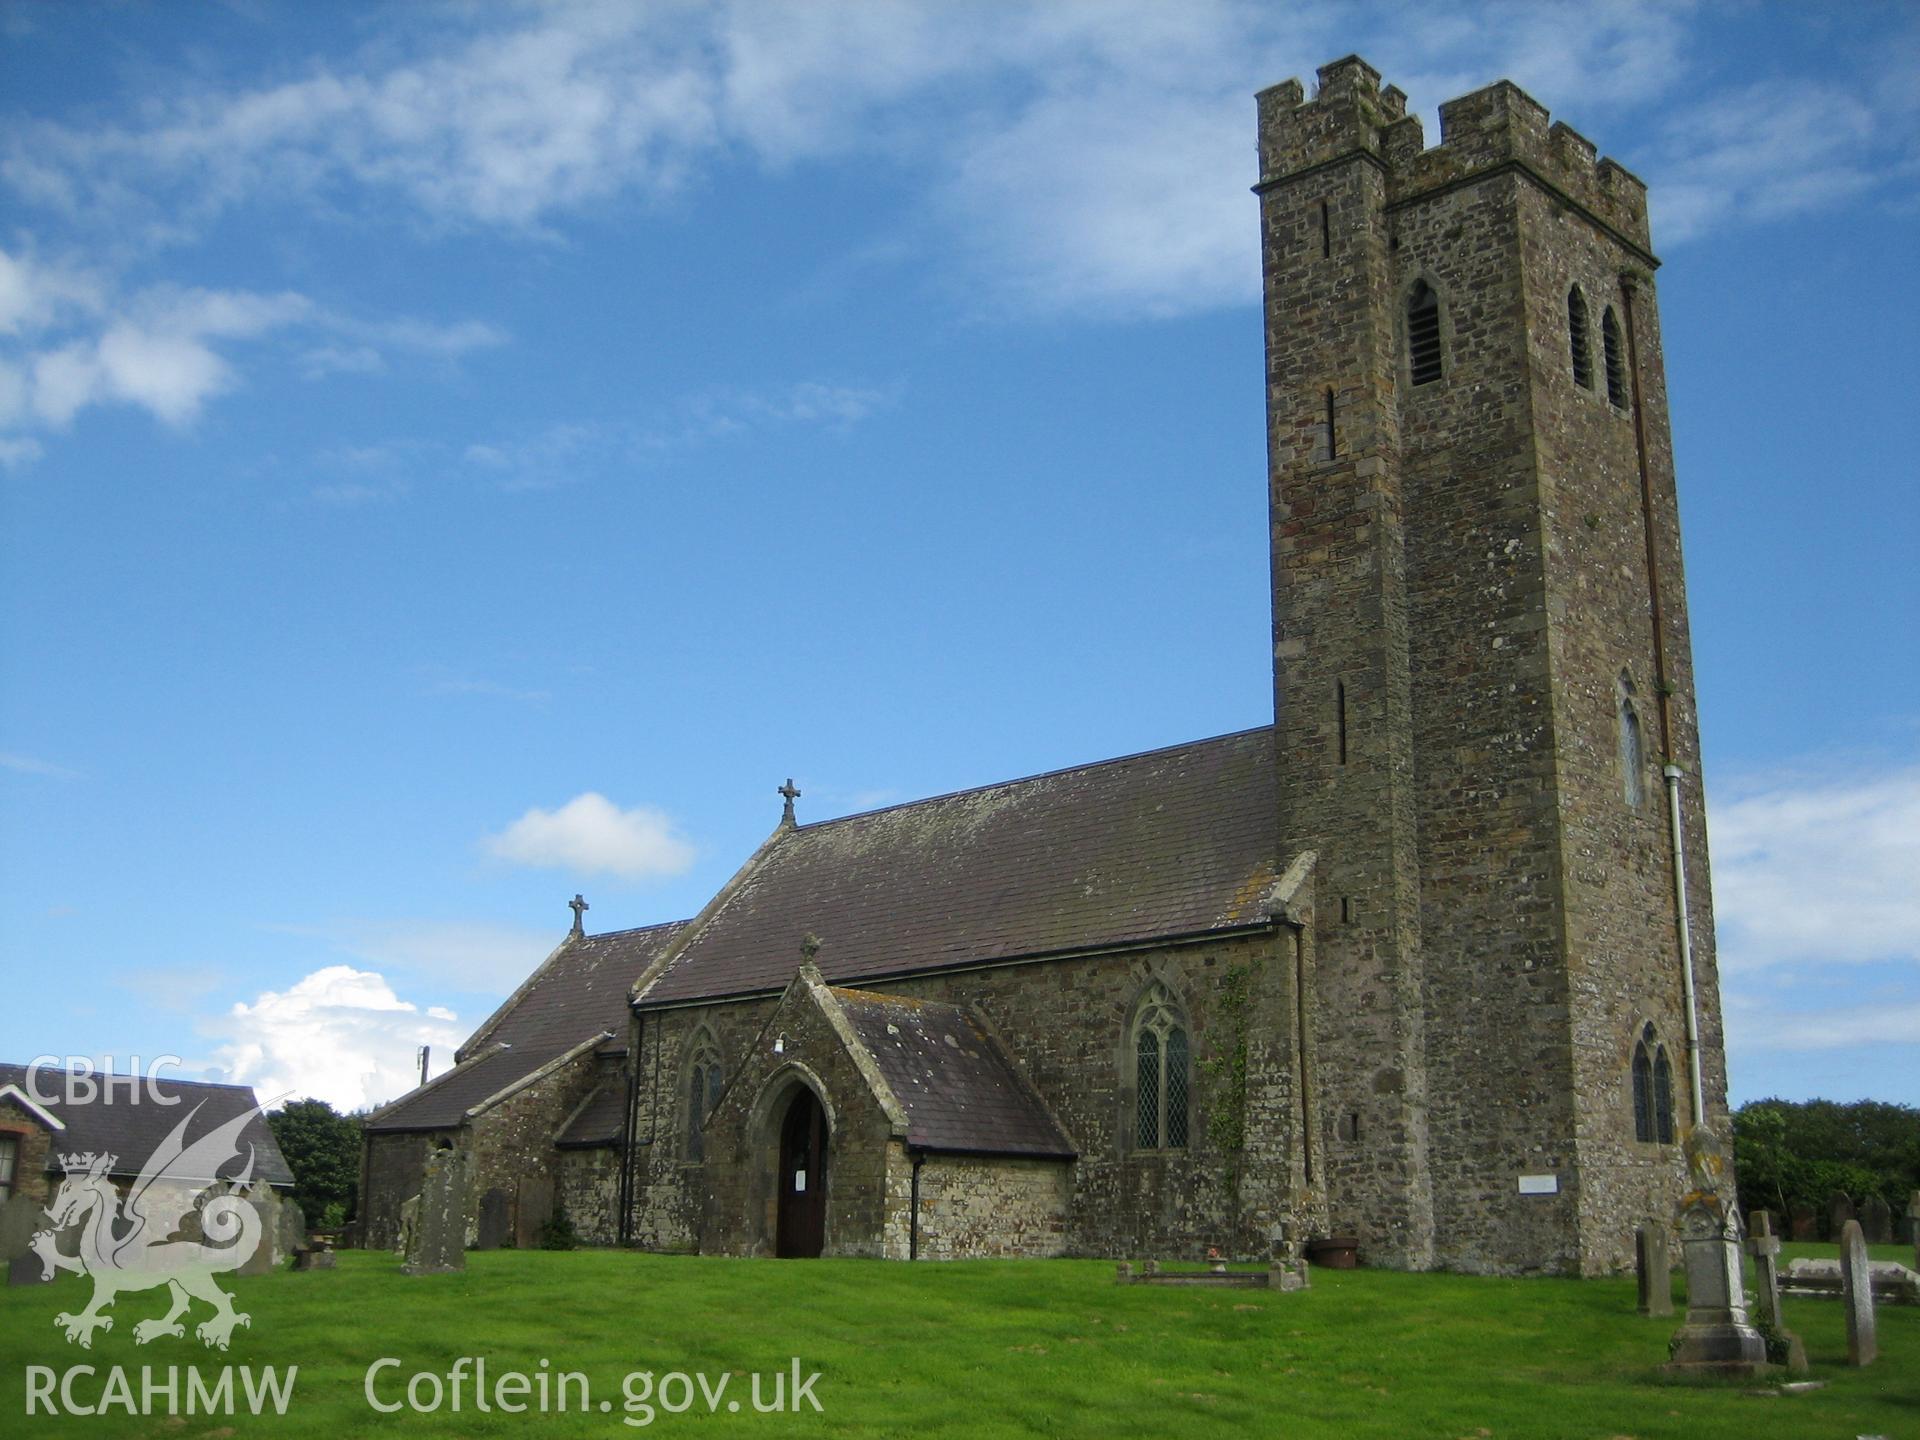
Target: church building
1425 967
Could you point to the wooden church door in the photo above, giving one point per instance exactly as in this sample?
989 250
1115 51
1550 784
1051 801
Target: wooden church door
803 1178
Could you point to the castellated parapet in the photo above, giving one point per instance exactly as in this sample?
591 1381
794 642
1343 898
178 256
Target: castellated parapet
1500 125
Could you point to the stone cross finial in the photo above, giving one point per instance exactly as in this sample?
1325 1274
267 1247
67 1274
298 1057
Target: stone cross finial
790 794
579 907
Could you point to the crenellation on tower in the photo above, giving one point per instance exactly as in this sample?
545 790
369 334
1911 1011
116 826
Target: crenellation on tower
1461 581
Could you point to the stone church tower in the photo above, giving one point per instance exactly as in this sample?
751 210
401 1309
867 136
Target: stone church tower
1484 691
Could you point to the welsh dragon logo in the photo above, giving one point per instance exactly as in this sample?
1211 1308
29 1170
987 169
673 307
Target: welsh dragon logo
127 1244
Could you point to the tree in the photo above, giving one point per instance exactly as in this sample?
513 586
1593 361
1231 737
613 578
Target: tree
322 1148
1789 1153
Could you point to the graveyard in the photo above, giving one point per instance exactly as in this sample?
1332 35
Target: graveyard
996 1348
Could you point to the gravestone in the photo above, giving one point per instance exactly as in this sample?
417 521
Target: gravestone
1913 1226
1856 1292
19 1218
409 1222
494 1227
1717 1338
314 1260
1876 1221
1839 1212
266 1205
534 1211
1653 1265
1764 1246
290 1236
1805 1224
440 1227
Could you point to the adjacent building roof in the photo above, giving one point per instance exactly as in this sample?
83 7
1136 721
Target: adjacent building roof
598 1121
130 1120
1179 841
578 994
960 1091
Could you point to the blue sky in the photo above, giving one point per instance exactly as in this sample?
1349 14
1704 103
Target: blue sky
451 456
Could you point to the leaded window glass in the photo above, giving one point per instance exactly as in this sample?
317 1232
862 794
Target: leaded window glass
1161 1074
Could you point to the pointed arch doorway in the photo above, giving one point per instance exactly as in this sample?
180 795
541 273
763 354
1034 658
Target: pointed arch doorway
802 1226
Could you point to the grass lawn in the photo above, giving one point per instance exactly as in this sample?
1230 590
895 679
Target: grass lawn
972 1349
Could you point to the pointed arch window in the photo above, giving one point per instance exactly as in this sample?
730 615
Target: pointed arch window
1577 339
705 1080
1424 364
1160 1073
1633 750
1615 365
1652 1090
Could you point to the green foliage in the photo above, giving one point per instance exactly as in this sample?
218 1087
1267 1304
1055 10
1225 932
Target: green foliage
1226 1068
558 1233
1788 1154
322 1147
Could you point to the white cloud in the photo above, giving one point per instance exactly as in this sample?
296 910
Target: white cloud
591 834
1799 1028
475 957
339 1034
76 343
1818 868
33 765
1087 155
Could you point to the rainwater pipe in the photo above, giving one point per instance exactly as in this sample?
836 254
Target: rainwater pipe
1696 1092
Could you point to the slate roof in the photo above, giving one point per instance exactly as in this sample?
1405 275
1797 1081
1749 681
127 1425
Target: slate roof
1178 841
132 1130
960 1091
581 991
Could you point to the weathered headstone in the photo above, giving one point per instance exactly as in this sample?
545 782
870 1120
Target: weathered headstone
291 1236
314 1260
534 1211
20 1218
494 1227
1913 1226
440 1230
409 1222
266 1205
1764 1246
1839 1212
1653 1265
1717 1338
1876 1221
1805 1224
1856 1292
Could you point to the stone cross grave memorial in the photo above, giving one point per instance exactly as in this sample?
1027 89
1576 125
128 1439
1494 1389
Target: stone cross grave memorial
1764 1246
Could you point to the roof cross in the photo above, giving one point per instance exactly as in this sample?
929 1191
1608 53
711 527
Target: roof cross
791 795
579 907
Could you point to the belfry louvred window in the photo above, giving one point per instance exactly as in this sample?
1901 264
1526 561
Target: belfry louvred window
1615 364
1582 353
1423 334
1160 1073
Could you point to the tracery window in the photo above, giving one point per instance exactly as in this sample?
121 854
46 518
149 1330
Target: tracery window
1160 1071
1652 1090
704 1083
